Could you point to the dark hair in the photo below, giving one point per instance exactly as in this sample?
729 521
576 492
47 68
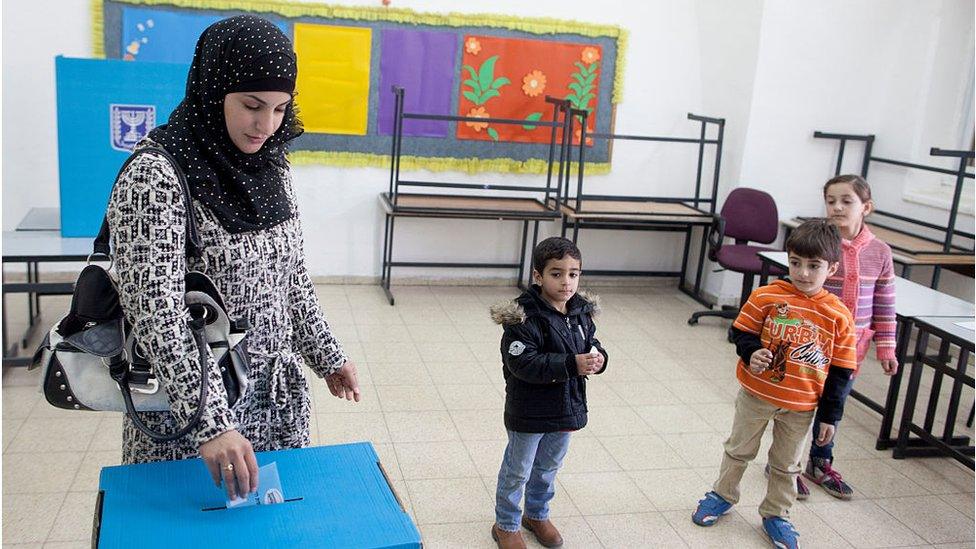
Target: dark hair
554 247
815 238
860 186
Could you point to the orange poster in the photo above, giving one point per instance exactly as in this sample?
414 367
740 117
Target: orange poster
511 77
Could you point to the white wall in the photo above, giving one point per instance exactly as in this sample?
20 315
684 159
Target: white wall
776 70
895 69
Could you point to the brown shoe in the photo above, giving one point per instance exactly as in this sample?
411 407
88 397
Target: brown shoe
507 540
544 531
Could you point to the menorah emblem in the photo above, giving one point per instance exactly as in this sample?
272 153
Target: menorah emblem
129 124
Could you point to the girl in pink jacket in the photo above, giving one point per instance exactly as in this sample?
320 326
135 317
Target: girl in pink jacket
865 282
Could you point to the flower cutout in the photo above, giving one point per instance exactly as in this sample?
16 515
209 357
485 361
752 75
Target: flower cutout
534 83
472 45
477 112
590 55
579 133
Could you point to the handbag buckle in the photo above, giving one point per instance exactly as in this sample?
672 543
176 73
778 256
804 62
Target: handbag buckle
149 388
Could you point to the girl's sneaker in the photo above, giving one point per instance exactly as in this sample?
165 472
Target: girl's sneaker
781 533
820 472
710 508
802 492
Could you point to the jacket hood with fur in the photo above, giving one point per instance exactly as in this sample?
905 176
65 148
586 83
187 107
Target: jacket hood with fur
508 313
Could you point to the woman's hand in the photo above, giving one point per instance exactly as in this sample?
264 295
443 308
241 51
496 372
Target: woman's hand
344 383
229 456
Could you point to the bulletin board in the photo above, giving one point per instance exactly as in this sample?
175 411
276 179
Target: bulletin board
474 65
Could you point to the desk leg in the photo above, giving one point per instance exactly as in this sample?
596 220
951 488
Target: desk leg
937 377
521 258
7 352
906 271
894 384
684 258
388 258
911 396
936 273
955 396
763 272
701 263
535 240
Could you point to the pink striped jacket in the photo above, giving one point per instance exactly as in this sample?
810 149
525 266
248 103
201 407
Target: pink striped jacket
865 282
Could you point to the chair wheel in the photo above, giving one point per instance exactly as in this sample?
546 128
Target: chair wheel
692 321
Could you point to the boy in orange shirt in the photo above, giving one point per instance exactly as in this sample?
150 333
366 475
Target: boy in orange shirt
797 352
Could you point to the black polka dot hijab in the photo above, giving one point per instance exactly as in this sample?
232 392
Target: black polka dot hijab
245 191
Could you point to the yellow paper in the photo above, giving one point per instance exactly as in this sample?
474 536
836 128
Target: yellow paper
333 77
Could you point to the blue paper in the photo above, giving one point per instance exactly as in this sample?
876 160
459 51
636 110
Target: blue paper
164 35
104 107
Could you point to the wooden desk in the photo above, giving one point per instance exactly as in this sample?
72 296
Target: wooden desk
641 215
459 207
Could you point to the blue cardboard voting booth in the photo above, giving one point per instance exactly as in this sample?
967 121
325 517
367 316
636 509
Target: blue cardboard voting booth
336 496
105 106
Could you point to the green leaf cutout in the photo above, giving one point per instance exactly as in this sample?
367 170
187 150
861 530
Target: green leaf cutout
493 133
576 88
582 67
473 73
533 117
486 75
488 95
499 82
589 79
473 97
473 83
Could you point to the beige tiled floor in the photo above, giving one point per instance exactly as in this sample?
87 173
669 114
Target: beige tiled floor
433 395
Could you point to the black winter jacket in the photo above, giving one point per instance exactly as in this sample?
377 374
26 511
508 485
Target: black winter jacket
543 392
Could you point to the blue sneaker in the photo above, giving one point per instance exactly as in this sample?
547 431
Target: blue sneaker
710 508
781 533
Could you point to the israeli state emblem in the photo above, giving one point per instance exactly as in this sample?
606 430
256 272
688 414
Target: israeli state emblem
129 124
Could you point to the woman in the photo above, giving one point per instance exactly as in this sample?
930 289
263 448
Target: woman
228 136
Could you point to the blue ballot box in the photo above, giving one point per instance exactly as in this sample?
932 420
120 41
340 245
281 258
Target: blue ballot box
336 496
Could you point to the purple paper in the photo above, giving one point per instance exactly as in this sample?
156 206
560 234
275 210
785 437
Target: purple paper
422 63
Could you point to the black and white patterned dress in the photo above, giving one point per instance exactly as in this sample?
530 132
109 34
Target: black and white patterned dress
263 278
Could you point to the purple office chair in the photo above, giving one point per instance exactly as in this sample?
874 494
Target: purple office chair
748 215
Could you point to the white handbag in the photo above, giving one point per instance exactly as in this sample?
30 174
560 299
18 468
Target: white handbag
91 361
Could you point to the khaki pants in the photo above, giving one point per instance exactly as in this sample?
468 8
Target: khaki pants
790 429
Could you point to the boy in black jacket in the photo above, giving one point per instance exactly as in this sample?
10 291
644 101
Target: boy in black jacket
548 349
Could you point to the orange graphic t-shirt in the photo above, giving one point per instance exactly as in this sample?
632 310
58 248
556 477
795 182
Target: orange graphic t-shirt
807 335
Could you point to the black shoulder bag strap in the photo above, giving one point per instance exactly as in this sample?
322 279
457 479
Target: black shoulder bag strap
119 365
194 248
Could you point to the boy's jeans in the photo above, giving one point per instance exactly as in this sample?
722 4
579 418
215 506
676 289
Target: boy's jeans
530 464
